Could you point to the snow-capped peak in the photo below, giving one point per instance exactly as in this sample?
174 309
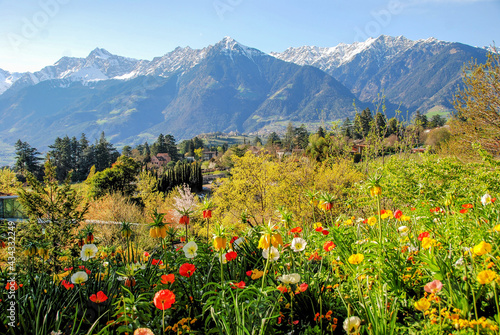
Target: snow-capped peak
329 58
99 53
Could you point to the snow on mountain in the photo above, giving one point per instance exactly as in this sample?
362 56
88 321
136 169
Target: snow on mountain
7 79
328 59
102 65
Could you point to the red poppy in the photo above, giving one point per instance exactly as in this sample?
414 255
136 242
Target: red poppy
164 299
468 206
493 200
13 285
187 269
68 269
319 229
303 287
329 245
398 214
67 284
315 257
464 210
325 232
296 230
233 239
413 209
422 235
296 322
241 284
207 214
168 279
99 297
156 262
231 255
249 273
283 289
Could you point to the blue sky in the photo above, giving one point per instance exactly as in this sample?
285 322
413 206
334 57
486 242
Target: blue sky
36 33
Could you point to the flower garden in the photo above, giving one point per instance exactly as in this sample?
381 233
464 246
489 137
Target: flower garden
411 257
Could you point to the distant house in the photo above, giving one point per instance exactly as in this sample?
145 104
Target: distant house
161 159
358 148
10 208
208 155
419 149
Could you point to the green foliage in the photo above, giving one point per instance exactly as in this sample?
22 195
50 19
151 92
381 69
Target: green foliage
119 178
54 211
182 173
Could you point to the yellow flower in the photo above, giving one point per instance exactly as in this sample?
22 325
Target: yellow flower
486 277
482 248
372 221
375 190
386 214
219 243
266 240
422 305
317 225
428 242
348 222
61 275
356 258
256 274
405 218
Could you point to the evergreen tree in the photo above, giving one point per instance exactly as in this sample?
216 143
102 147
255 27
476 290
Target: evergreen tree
289 137
357 127
366 120
392 126
420 120
27 159
347 128
105 154
257 141
380 124
127 151
301 138
321 132
273 139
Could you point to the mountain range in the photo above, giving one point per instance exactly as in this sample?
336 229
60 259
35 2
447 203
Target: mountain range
224 87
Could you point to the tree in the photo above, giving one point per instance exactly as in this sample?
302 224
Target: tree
347 128
59 208
105 154
273 139
477 104
301 137
436 121
289 137
257 141
8 181
420 120
27 160
119 178
380 124
321 132
127 151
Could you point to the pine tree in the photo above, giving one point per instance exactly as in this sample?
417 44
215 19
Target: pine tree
27 159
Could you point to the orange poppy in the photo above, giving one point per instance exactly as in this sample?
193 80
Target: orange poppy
164 299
